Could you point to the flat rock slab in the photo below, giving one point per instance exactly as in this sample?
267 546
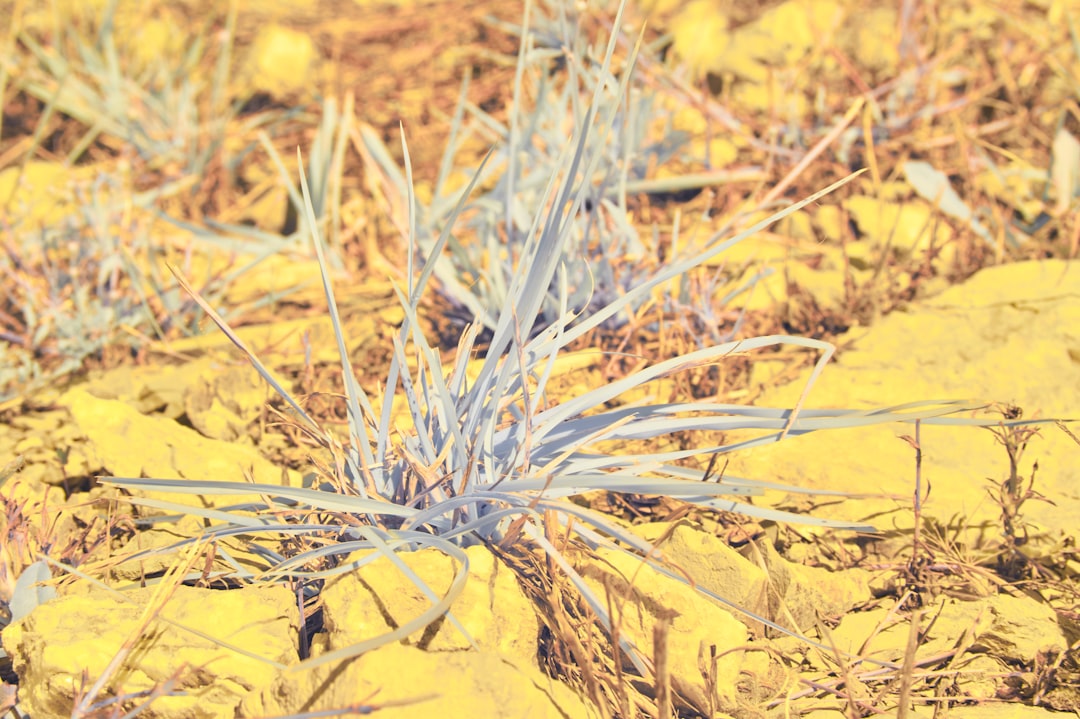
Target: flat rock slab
1010 334
75 636
127 443
401 682
378 598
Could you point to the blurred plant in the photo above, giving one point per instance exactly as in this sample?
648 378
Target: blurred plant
87 283
325 170
77 284
557 74
155 104
92 279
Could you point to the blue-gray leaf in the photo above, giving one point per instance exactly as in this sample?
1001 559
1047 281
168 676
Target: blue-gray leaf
29 592
933 186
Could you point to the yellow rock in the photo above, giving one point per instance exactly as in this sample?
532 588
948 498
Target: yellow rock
688 119
274 274
129 444
1004 335
167 534
378 598
65 12
659 7
774 94
281 61
55 644
795 28
41 195
870 39
698 622
831 222
804 593
403 682
281 344
227 403
981 22
151 389
1018 184
714 565
910 227
791 252
799 226
722 148
1013 629
993 708
156 39
779 38
700 37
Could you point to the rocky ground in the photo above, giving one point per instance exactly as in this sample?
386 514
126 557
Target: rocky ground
962 602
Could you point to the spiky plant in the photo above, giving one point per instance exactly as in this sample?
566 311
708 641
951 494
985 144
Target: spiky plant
492 458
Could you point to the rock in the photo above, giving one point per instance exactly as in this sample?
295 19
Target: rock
227 403
801 594
979 676
906 226
52 449
1013 629
699 627
1007 334
42 194
404 682
766 584
841 713
1002 710
129 444
377 598
147 551
281 61
714 565
76 636
1019 629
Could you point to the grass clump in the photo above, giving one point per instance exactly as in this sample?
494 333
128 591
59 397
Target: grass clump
488 456
534 253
